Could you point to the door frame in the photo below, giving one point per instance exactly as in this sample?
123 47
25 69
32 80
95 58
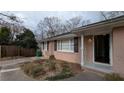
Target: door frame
110 52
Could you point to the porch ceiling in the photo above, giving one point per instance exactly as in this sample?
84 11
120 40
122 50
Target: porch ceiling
97 31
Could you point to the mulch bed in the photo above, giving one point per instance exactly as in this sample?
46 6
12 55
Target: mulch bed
43 71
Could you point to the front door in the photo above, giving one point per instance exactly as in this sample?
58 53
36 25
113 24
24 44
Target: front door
101 48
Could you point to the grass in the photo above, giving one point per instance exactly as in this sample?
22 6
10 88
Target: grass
113 77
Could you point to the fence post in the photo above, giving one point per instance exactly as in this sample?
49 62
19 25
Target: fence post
0 52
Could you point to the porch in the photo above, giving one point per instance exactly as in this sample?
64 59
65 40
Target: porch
99 67
96 50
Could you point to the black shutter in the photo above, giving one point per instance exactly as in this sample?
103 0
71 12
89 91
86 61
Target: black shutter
55 45
47 45
43 45
75 44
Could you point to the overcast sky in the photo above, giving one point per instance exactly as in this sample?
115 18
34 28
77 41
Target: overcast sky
32 18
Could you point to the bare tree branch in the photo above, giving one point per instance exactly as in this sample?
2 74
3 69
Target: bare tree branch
102 13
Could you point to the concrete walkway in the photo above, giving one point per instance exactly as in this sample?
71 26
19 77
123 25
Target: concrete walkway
10 71
86 76
19 60
14 75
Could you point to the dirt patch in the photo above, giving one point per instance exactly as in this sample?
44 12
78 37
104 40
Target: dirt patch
50 69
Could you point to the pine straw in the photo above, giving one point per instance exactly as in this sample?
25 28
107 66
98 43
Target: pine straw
49 68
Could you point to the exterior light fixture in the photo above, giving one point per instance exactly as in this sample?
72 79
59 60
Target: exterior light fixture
89 40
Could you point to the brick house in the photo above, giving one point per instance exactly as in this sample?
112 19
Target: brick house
98 46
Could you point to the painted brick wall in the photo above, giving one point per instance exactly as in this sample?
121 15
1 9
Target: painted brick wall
118 50
66 56
88 49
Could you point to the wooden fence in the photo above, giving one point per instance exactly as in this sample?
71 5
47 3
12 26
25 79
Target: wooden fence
12 51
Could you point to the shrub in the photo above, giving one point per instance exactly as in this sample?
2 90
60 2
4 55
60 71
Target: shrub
113 77
65 73
36 71
32 69
52 57
66 70
27 67
5 36
50 64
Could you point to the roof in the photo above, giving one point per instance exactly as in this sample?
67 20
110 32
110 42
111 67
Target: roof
104 22
109 22
60 36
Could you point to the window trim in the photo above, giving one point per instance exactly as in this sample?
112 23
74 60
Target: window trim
59 45
44 46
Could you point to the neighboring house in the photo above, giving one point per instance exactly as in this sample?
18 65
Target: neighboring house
98 46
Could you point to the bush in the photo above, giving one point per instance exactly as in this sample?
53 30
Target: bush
27 67
5 36
113 77
50 64
36 71
32 69
52 57
65 73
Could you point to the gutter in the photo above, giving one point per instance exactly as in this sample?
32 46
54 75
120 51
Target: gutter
101 23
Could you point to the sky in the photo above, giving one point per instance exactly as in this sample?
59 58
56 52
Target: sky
32 18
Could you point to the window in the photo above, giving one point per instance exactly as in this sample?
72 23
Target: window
65 45
72 44
44 46
75 44
55 45
101 47
48 45
59 45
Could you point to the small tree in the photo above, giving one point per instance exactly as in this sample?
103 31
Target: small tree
26 39
11 21
5 36
75 22
52 26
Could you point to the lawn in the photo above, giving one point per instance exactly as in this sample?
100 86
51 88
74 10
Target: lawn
50 69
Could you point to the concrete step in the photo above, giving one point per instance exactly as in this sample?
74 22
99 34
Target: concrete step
97 70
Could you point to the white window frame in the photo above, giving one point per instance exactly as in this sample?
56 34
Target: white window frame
59 45
45 46
41 46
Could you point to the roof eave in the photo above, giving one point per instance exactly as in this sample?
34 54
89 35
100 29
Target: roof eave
110 22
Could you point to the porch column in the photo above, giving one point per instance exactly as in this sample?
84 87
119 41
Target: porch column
82 50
